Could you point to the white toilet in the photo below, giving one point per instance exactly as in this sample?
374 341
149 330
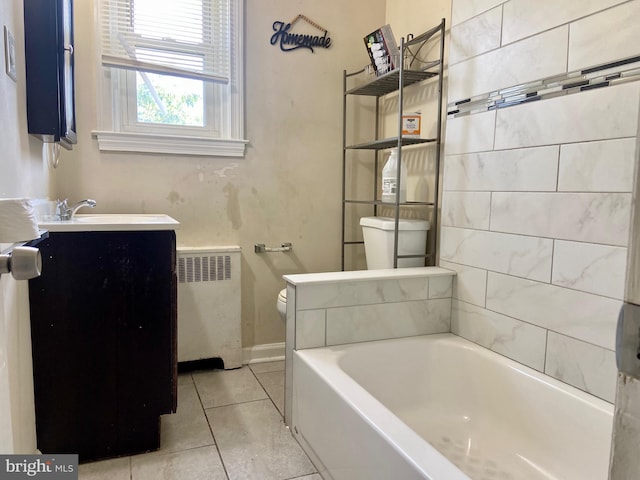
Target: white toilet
378 233
378 247
282 304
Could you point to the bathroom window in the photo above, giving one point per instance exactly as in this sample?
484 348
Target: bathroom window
171 76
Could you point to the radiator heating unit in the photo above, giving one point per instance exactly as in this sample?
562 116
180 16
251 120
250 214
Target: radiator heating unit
209 304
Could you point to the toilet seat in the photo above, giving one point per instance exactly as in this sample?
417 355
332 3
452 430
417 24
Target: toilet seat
282 296
282 303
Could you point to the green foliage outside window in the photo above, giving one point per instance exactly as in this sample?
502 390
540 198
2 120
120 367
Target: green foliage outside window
180 108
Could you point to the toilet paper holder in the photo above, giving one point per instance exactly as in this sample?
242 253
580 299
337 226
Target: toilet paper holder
261 248
23 263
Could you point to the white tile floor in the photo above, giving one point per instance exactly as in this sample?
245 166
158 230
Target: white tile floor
228 426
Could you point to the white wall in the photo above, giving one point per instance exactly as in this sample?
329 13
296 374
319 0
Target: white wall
286 189
536 201
22 173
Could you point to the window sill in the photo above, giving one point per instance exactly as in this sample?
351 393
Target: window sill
168 144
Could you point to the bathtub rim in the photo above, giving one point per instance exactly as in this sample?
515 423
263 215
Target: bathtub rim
400 436
599 403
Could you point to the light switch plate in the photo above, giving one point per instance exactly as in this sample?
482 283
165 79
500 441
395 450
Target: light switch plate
10 54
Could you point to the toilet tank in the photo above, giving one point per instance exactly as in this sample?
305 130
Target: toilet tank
378 233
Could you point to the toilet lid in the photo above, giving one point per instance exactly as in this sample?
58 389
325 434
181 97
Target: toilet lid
282 296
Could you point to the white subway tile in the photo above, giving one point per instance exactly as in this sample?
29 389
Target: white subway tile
387 320
464 9
475 36
528 169
605 166
472 133
605 37
537 57
517 340
584 316
469 284
599 114
440 287
524 17
585 366
466 209
310 328
361 292
524 256
589 267
586 217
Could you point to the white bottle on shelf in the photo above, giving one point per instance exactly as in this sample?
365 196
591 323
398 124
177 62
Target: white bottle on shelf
390 180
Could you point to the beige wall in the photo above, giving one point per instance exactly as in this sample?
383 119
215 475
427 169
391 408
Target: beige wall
22 173
286 189
416 16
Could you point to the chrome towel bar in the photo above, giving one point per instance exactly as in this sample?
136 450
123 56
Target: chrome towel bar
261 248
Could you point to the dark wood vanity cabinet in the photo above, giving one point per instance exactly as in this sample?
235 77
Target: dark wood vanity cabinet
103 325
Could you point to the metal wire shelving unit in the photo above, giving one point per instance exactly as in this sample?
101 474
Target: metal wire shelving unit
396 81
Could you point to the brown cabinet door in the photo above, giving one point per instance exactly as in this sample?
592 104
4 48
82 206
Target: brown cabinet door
103 323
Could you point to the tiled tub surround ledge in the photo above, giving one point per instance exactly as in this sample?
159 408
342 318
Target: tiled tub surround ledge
335 308
347 307
605 75
439 407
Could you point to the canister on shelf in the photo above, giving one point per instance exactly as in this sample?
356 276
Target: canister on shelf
411 125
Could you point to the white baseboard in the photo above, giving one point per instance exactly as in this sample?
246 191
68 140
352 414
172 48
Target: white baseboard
266 352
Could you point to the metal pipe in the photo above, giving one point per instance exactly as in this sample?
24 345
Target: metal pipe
436 192
398 177
344 166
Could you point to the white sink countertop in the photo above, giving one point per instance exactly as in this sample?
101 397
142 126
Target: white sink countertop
105 222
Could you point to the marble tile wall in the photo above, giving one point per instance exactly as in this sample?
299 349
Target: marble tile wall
325 309
537 197
359 310
523 18
586 49
468 43
511 65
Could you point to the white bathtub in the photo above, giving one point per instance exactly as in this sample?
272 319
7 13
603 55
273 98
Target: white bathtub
442 408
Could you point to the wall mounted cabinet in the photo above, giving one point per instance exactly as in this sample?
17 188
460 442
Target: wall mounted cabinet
49 64
394 83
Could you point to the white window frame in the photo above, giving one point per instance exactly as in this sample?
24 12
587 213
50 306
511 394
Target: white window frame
119 103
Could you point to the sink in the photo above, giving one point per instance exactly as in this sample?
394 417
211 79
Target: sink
115 219
110 222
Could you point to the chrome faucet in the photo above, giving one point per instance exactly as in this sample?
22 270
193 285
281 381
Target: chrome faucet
67 212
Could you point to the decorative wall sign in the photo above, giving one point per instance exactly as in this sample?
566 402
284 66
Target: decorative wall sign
288 40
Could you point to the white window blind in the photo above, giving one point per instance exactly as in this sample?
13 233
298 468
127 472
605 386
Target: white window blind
184 38
174 77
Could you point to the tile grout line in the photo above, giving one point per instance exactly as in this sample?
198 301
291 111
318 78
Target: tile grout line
215 442
282 416
265 390
255 375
